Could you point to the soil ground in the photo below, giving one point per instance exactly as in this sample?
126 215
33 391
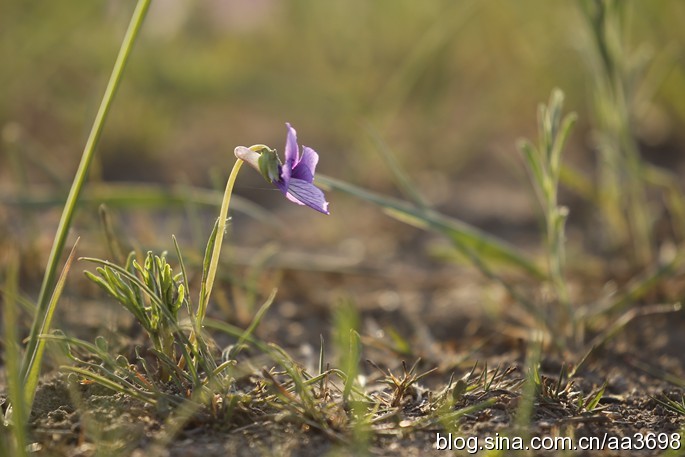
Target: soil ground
453 320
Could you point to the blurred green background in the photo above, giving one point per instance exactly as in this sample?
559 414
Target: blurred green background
447 85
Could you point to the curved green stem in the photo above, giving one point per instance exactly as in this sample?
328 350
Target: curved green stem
216 251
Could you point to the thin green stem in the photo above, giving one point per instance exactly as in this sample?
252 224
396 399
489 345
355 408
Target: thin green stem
216 251
77 185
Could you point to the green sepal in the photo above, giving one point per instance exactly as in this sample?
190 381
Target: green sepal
269 164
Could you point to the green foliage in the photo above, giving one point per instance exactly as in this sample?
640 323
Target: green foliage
617 73
154 295
544 165
151 292
186 374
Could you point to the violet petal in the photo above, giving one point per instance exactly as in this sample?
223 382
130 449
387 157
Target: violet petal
292 154
306 193
306 167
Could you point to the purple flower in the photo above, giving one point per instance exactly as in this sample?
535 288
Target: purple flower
295 177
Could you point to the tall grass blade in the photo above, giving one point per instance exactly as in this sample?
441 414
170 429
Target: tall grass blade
48 284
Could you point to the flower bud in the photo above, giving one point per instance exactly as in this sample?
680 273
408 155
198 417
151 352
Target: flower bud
262 158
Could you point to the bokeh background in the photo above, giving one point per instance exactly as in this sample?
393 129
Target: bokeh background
447 86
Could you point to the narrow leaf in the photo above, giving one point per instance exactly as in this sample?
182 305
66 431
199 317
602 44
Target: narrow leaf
35 359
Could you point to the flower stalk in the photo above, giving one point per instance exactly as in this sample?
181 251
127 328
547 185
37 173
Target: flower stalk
216 250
